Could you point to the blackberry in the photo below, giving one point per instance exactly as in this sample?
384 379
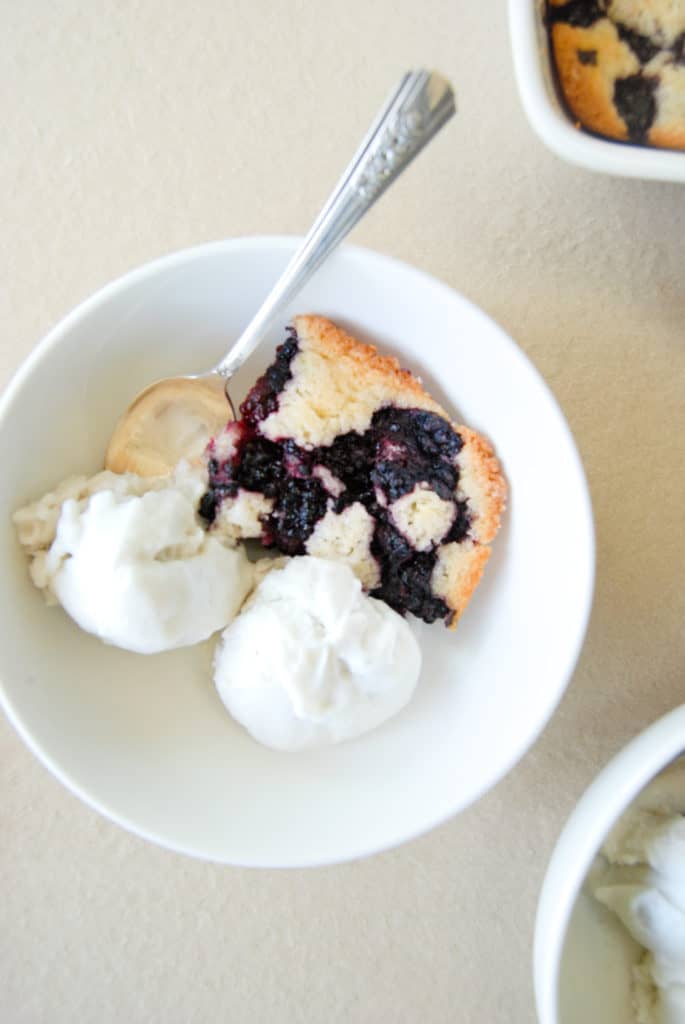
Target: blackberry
261 467
299 506
263 397
406 576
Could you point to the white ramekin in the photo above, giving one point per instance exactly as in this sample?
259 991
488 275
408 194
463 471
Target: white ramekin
550 121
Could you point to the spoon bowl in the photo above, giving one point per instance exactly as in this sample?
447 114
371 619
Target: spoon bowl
170 420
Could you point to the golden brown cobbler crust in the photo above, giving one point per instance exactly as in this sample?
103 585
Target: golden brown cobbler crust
352 381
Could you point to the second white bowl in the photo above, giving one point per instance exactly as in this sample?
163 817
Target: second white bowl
582 954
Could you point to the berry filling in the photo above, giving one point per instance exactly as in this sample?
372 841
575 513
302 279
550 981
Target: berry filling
679 49
642 46
401 448
579 13
636 103
406 575
262 399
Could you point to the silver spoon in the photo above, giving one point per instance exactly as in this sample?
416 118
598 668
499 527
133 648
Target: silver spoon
175 417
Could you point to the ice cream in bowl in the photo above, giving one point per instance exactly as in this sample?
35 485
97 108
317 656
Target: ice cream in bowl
610 929
247 658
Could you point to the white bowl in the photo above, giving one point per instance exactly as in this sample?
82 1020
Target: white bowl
533 69
145 740
582 955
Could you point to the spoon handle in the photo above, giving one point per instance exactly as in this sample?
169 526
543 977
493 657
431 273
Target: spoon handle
422 103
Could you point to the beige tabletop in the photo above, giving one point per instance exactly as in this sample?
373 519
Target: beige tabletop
134 127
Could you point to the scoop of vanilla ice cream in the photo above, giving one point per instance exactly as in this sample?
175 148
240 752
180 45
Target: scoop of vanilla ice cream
312 660
36 522
139 571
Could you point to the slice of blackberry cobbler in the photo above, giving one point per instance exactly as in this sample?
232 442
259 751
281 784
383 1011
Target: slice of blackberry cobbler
339 453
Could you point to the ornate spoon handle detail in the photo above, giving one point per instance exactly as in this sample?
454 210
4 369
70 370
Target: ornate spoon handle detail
422 103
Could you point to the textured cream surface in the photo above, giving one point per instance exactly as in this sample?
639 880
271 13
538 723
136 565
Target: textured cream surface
134 128
36 523
337 665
